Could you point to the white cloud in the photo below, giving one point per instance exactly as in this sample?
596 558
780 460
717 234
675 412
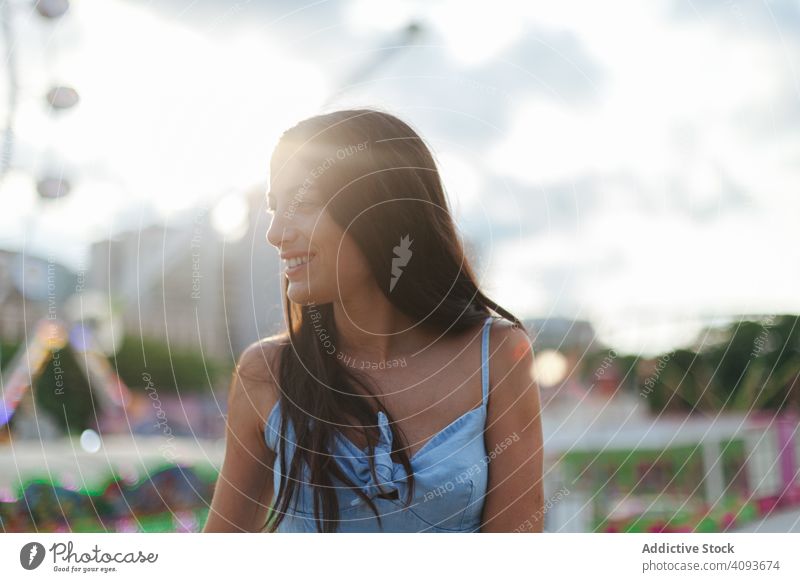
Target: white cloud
173 114
637 273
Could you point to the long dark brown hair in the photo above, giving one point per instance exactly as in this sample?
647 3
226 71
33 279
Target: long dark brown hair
384 186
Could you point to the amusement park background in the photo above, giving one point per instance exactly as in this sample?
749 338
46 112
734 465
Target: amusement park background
625 177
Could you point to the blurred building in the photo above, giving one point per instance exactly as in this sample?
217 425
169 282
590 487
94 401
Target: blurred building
562 334
31 288
188 284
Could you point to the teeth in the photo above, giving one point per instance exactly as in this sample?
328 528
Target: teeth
295 261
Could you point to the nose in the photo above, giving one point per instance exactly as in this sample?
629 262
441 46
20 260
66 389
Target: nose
281 230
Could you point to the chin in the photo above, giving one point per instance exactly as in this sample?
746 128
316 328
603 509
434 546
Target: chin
299 293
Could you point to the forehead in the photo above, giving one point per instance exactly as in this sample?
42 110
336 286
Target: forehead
288 172
291 156
308 164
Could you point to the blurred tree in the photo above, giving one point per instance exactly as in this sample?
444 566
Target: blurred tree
747 365
172 369
63 391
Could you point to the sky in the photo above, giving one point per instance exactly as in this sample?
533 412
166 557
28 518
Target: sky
632 163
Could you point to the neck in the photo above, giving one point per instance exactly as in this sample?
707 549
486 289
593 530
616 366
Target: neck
369 327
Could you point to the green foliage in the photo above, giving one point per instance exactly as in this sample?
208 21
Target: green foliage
744 366
63 390
169 368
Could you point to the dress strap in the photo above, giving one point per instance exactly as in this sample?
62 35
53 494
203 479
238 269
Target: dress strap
272 429
487 325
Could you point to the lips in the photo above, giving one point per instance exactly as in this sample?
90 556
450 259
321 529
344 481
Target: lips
299 260
295 263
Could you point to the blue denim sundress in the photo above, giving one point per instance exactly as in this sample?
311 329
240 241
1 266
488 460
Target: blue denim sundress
450 475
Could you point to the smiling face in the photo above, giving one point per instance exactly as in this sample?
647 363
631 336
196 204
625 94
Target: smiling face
315 251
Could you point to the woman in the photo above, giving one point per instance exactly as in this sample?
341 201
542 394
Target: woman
396 401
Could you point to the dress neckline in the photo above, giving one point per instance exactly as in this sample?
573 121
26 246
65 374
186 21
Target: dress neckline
429 443
439 435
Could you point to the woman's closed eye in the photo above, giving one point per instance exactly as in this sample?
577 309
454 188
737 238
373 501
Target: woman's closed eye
296 203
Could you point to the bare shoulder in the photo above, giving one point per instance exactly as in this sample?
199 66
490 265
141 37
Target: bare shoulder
509 343
511 359
513 428
259 361
243 491
254 386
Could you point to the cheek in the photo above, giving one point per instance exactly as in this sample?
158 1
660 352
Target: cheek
349 264
342 259
352 263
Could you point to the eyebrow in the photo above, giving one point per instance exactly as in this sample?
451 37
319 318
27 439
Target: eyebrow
291 190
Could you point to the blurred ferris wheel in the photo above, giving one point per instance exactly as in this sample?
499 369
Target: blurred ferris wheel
86 319
7 145
50 183
88 322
